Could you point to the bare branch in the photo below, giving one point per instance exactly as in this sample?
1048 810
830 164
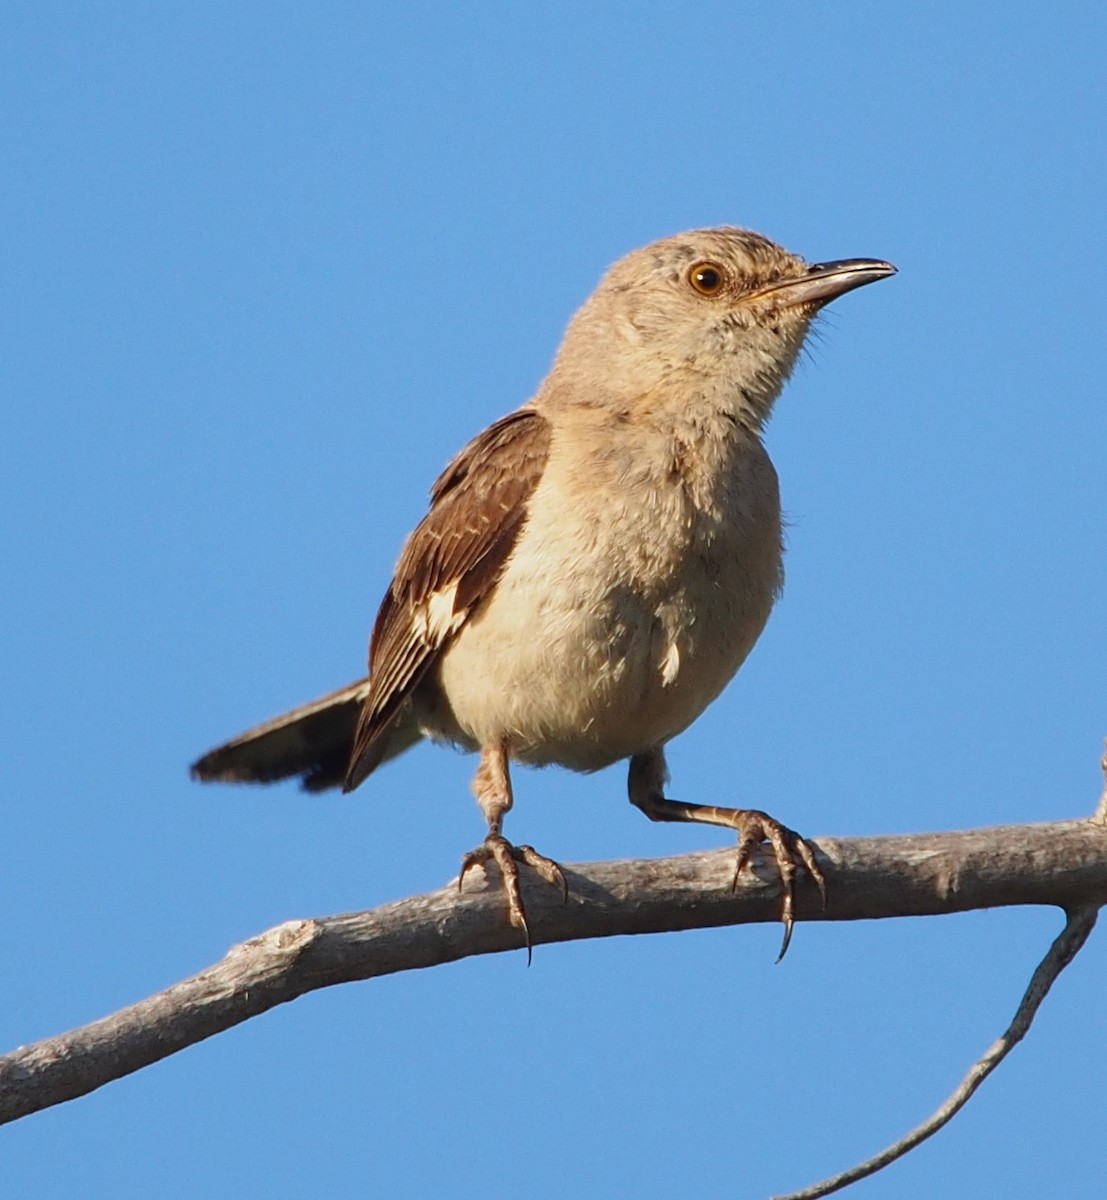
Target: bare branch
1064 863
1080 923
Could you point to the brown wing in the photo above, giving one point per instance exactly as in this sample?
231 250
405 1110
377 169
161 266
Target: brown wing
450 563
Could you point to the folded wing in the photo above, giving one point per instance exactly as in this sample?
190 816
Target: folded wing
450 564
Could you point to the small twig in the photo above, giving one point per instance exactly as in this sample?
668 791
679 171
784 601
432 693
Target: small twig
1078 926
1100 814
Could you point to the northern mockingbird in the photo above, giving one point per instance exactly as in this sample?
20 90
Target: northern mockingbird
596 565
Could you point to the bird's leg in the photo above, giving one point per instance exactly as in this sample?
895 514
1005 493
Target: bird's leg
646 783
492 787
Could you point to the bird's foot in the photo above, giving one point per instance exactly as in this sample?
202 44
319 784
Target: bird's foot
753 828
646 784
496 848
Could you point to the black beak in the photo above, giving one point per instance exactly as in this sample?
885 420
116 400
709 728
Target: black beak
827 281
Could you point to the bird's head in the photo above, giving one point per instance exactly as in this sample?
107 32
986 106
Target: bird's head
723 312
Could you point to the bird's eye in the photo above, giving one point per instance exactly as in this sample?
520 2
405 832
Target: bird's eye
707 278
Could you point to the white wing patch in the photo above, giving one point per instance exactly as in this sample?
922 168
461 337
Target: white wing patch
435 620
670 664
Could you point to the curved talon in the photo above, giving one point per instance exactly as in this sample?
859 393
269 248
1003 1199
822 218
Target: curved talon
549 870
506 856
755 827
807 854
646 783
468 861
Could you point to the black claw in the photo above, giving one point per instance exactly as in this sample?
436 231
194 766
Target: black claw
786 942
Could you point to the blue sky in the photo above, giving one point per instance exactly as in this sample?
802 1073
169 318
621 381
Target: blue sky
266 268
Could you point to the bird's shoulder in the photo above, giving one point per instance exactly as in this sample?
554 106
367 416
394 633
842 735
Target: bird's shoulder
478 504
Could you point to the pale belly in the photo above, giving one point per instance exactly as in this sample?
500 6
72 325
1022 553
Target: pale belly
583 665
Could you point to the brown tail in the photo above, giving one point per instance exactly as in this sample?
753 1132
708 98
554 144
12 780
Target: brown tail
313 741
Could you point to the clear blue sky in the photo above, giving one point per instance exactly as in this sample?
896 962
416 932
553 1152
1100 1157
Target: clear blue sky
266 267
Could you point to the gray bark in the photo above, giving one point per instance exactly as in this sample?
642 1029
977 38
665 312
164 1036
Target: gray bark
1063 864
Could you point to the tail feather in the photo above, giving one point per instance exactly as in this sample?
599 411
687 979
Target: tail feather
313 742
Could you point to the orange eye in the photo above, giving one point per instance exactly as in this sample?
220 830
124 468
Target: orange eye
707 278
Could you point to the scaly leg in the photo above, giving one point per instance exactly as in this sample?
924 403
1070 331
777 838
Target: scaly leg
492 787
646 784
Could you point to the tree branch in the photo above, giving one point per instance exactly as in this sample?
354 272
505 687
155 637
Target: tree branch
1064 863
1066 946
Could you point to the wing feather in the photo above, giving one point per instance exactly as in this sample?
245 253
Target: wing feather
449 565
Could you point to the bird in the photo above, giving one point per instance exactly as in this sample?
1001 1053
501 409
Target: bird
594 567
